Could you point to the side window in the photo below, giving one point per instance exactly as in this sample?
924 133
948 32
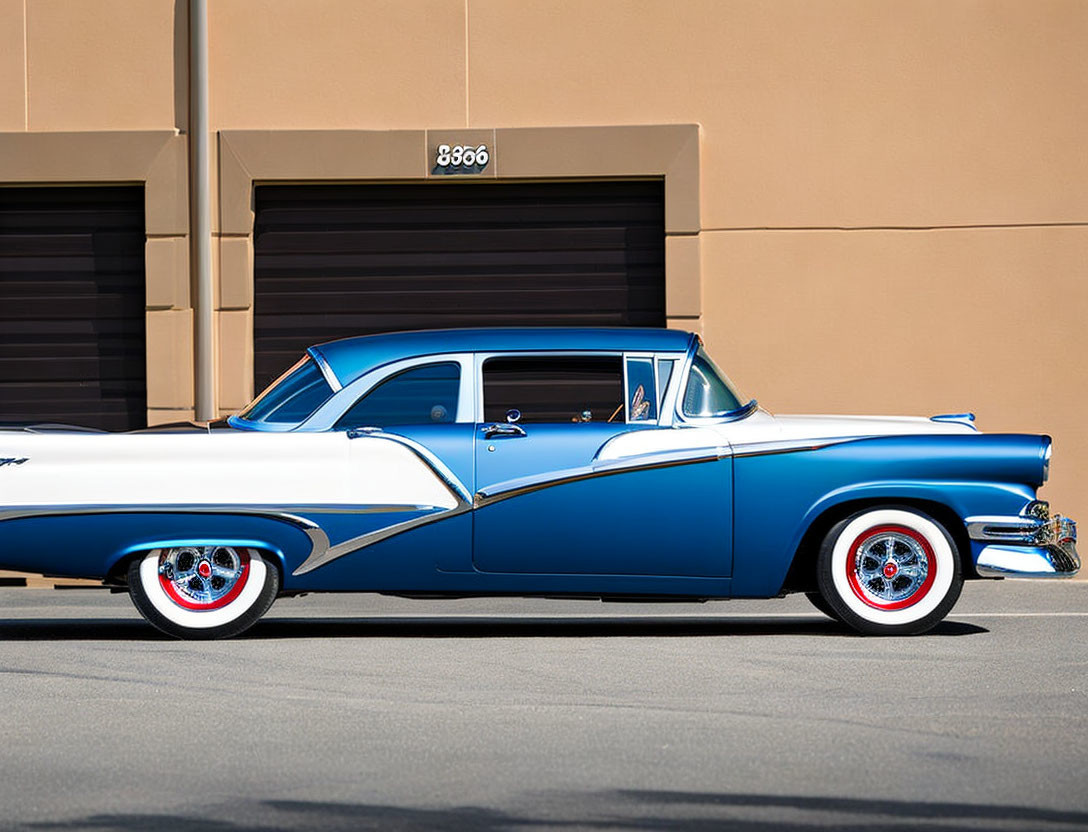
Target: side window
708 393
664 375
292 397
559 389
641 390
420 396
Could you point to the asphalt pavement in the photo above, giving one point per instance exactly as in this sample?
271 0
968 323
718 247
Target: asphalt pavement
362 712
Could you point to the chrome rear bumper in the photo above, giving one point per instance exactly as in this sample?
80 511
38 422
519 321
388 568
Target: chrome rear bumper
1029 546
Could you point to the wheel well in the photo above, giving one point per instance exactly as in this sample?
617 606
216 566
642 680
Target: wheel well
802 573
118 574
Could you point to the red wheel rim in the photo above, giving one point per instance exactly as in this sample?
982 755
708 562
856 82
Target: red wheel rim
890 567
169 586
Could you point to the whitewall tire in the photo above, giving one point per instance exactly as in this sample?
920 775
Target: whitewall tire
202 592
890 571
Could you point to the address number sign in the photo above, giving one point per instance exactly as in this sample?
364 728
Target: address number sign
461 158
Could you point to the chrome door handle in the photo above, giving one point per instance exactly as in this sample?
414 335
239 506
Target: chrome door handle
498 429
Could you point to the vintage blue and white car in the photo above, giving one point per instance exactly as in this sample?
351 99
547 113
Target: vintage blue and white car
609 463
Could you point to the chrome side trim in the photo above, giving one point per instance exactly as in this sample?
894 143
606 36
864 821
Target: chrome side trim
319 558
504 491
525 485
330 553
665 459
1022 529
326 370
1033 525
789 446
319 541
276 512
967 419
437 466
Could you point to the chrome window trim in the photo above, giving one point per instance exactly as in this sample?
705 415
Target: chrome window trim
639 356
326 370
482 357
326 416
684 368
668 394
236 420
702 421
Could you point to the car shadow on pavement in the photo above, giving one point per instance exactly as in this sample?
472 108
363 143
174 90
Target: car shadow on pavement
441 627
611 810
564 627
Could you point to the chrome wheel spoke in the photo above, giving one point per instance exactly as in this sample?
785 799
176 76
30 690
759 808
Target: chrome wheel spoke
867 575
891 566
204 576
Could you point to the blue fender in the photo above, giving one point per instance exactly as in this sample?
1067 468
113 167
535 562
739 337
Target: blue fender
778 497
93 545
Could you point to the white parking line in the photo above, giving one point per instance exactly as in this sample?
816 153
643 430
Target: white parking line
1020 615
673 617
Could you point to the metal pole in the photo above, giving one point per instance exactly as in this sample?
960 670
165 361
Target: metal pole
200 212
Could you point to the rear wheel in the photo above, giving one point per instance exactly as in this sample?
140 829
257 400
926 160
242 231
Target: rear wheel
889 571
202 592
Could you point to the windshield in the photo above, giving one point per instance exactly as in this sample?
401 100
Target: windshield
709 393
292 397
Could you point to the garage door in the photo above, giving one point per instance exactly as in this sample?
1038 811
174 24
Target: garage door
72 306
338 260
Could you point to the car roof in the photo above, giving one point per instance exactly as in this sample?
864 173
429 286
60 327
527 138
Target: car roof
350 358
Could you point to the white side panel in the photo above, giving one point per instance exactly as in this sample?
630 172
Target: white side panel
639 442
761 428
224 468
818 427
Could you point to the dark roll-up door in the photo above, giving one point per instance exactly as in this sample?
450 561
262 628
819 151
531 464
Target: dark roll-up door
333 261
72 306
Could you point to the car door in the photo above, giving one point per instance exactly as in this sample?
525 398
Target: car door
575 475
429 403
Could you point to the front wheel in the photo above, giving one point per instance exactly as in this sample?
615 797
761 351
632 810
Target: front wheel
889 571
202 592
818 601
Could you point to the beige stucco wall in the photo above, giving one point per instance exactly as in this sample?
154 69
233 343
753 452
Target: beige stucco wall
92 65
988 320
892 197
337 63
819 114
101 64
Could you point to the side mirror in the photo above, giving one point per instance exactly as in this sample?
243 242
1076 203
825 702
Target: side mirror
512 415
